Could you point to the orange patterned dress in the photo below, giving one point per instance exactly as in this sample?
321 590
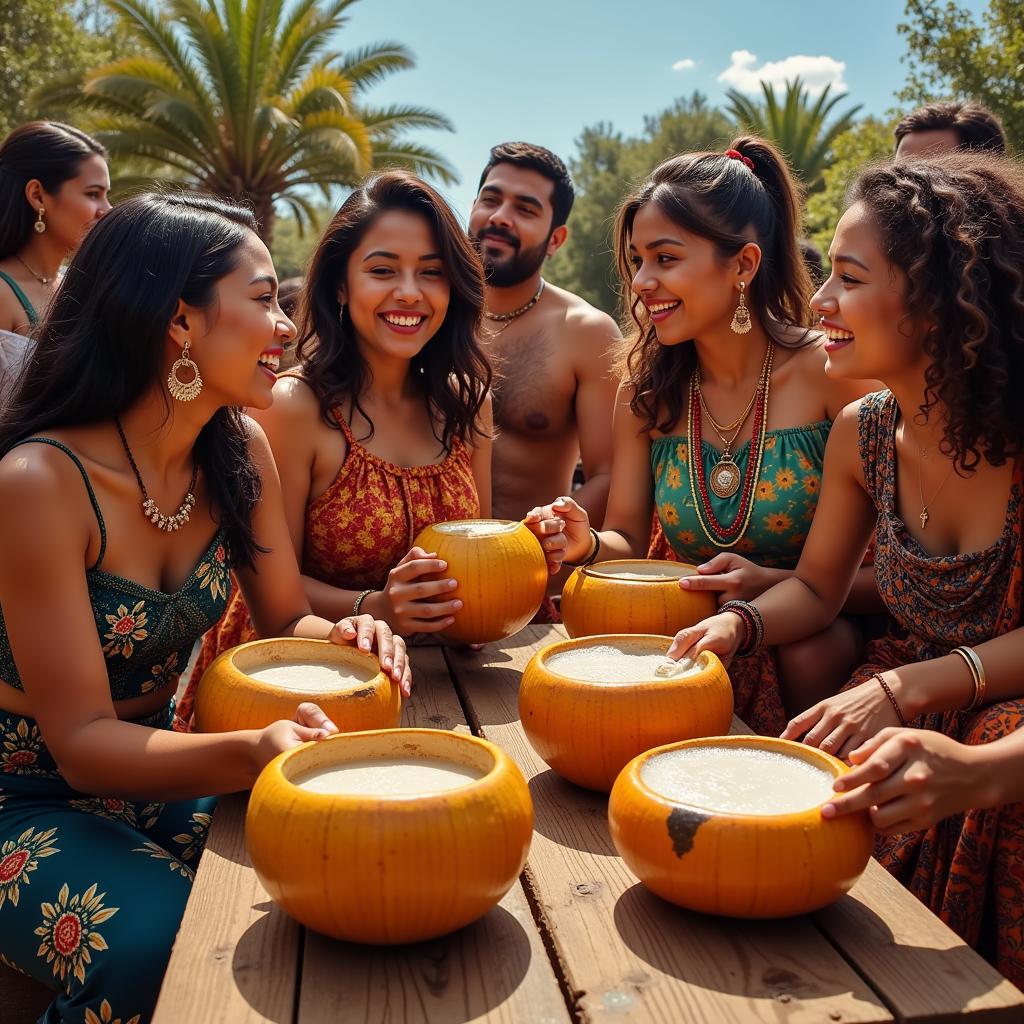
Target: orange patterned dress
358 530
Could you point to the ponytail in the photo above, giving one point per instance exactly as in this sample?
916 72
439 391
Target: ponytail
746 194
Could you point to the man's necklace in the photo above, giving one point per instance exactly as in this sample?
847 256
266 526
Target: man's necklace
505 319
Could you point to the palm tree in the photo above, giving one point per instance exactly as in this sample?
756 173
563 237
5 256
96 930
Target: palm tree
245 98
795 125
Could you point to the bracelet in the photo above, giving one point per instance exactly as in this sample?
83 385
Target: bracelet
592 557
891 696
742 609
974 663
358 603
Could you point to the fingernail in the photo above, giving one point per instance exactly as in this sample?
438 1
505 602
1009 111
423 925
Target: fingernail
443 564
388 662
349 628
452 584
457 605
685 584
839 785
828 810
449 620
365 644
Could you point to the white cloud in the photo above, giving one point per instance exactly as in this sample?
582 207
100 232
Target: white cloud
814 72
686 64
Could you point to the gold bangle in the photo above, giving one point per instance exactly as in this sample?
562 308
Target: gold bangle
974 663
358 603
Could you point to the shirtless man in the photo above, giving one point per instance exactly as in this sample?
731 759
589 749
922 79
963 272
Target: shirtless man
553 353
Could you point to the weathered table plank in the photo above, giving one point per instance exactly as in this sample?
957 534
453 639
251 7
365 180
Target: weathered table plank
919 966
236 955
626 954
495 970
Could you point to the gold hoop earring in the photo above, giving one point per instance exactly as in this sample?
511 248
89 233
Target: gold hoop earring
184 391
40 224
741 318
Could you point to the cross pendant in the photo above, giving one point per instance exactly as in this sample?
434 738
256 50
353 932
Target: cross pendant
924 517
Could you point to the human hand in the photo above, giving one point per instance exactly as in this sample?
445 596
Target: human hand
563 528
841 723
909 779
363 632
731 576
722 634
416 597
310 724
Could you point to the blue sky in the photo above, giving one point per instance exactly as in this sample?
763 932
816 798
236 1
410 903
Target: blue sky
541 70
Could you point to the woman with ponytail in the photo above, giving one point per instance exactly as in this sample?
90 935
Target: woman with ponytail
53 189
724 409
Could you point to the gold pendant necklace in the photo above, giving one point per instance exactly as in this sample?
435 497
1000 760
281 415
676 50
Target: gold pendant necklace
924 515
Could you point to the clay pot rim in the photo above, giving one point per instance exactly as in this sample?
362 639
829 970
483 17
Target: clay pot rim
799 819
596 570
706 659
320 652
285 768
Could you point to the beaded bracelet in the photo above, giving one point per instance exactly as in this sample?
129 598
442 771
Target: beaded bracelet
742 609
892 697
977 669
358 603
592 557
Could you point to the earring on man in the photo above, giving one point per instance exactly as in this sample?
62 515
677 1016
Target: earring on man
741 318
40 224
184 391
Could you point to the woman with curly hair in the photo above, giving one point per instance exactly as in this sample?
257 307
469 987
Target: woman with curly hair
725 408
927 295
386 426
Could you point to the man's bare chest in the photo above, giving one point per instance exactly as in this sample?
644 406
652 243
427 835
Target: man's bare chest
534 385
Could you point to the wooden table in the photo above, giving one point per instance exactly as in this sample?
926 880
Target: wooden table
577 938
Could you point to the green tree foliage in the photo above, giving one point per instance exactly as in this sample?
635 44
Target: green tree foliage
249 99
798 126
605 168
869 140
40 39
954 54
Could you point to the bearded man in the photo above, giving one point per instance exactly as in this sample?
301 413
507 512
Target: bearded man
554 354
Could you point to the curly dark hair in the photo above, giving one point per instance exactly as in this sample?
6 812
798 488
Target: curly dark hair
955 226
730 203
453 370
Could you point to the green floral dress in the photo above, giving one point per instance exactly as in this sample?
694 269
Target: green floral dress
785 498
92 887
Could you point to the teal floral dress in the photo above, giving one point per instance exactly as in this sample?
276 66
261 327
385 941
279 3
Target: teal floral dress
92 888
785 498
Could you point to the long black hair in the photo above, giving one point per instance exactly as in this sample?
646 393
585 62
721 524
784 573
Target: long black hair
101 345
730 202
452 368
47 150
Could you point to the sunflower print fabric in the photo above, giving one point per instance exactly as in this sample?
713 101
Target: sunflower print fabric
968 869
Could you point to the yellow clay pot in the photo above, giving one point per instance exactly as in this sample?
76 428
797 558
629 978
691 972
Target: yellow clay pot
502 575
390 869
587 730
228 698
634 595
737 864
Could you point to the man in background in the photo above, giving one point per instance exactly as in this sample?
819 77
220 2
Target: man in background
945 127
554 354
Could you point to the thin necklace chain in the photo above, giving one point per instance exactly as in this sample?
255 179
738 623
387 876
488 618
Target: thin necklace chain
516 313
38 277
150 509
737 425
924 515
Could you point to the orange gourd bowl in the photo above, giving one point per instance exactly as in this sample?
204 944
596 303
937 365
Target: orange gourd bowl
229 699
739 865
587 731
390 869
596 599
502 577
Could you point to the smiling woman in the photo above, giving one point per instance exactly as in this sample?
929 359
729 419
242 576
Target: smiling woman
129 483
385 427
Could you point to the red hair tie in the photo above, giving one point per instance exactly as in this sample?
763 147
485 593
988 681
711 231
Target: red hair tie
735 154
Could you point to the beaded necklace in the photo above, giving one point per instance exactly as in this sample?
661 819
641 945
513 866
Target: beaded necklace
720 535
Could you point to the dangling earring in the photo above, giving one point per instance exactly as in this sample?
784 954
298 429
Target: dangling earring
180 390
741 318
40 224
